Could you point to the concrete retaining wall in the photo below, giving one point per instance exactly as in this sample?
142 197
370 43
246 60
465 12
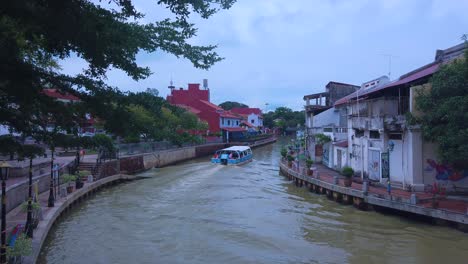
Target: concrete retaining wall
17 193
400 205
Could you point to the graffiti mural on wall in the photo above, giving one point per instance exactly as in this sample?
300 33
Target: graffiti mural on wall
445 172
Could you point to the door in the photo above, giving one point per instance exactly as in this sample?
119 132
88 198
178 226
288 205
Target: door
338 158
374 165
396 161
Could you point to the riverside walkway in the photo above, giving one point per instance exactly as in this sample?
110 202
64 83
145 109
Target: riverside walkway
449 211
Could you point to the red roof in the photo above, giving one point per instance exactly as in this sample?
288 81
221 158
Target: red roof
233 129
246 111
54 93
247 124
404 79
189 108
229 115
212 105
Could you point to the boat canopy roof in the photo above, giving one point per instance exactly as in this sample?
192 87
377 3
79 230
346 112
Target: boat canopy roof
237 148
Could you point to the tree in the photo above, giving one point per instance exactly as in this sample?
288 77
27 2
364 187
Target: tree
445 108
228 105
35 35
285 117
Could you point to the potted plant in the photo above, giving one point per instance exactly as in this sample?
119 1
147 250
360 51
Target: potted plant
83 174
284 152
22 247
36 211
309 163
348 172
290 160
68 178
78 179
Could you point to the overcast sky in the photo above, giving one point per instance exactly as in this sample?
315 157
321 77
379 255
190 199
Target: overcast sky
276 51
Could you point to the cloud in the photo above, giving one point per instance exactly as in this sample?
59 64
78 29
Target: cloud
276 51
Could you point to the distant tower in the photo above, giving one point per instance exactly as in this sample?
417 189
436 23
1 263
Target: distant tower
172 87
205 84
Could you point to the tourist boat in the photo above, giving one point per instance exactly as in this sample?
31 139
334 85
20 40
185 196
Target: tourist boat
235 155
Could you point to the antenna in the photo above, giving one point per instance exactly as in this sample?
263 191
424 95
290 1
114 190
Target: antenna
390 56
171 86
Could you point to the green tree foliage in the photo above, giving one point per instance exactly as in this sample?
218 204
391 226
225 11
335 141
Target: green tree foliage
285 117
228 105
445 108
36 35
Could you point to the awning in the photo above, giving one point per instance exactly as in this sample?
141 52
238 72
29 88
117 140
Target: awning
342 144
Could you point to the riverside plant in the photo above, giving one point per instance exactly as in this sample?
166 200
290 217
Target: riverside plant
284 152
309 163
290 160
22 248
348 172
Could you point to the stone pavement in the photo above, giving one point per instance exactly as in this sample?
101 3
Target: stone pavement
454 205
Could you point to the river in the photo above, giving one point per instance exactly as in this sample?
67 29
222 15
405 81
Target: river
196 212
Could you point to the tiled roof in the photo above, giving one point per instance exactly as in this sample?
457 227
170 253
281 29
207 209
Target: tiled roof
404 79
233 129
54 93
189 108
246 110
211 105
248 124
229 115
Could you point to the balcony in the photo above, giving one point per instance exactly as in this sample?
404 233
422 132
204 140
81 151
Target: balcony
380 107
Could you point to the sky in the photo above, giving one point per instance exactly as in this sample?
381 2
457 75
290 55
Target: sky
277 51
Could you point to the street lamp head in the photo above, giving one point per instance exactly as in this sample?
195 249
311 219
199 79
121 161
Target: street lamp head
4 170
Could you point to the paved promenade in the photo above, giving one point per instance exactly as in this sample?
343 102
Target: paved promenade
452 205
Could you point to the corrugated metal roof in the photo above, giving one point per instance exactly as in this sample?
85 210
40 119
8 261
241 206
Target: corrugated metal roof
407 78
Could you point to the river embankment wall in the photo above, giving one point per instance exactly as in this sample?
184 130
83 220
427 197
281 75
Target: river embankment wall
363 200
18 193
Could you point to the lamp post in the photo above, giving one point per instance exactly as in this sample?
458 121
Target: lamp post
4 171
29 225
51 201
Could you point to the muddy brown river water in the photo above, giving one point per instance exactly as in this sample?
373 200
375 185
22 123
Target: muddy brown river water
195 212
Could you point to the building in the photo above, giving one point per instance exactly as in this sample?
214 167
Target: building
252 117
197 101
382 145
87 125
323 118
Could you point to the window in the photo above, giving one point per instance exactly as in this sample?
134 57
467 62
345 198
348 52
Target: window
359 133
374 134
237 122
229 122
252 121
327 129
395 136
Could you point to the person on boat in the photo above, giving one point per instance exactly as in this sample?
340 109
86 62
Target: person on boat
230 155
215 155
